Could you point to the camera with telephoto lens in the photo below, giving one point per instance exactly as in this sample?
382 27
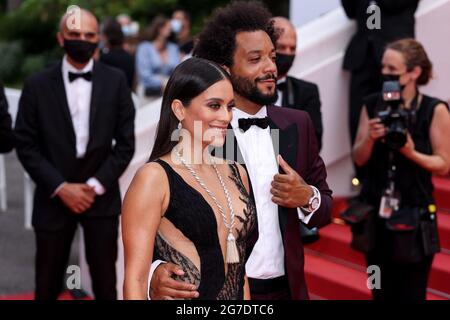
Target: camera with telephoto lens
393 116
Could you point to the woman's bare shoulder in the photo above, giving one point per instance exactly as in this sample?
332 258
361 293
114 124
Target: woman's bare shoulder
151 171
151 177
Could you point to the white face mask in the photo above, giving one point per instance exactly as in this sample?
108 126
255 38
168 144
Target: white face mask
126 30
131 29
176 25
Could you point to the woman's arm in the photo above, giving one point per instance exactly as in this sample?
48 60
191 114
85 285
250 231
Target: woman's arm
144 204
247 295
369 130
439 162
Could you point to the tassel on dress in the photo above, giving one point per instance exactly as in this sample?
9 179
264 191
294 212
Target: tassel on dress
232 250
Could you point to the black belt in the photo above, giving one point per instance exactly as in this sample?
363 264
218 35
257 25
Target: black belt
263 286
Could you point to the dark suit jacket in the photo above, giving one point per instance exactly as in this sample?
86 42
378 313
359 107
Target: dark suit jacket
303 95
6 133
121 60
397 22
298 146
46 144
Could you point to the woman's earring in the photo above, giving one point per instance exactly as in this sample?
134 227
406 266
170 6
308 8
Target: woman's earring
178 131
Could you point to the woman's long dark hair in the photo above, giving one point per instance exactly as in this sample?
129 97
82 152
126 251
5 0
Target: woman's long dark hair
189 79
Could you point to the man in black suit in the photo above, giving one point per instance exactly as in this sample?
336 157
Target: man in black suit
75 137
6 133
365 50
292 92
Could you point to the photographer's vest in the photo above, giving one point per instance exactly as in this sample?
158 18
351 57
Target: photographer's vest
412 181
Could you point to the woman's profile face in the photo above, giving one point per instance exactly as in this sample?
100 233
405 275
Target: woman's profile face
206 119
393 63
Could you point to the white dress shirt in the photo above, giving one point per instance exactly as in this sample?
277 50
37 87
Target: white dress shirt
78 95
267 258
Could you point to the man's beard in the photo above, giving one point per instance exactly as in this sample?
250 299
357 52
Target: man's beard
250 91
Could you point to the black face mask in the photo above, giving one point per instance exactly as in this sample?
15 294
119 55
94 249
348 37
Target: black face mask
393 77
80 51
284 63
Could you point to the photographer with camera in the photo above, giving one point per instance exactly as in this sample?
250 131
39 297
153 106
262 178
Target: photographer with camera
402 139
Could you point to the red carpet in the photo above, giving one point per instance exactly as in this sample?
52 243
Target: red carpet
335 271
442 192
30 296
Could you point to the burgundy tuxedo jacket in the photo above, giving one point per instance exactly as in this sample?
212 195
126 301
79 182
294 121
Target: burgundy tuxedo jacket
299 148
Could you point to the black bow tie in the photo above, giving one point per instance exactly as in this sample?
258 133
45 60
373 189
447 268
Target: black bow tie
86 76
245 124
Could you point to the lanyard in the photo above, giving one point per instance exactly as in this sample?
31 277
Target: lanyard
391 157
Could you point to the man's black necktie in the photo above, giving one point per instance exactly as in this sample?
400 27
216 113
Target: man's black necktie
245 124
86 76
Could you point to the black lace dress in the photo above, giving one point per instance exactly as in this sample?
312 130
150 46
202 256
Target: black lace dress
193 216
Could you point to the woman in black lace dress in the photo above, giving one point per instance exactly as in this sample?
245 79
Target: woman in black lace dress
186 206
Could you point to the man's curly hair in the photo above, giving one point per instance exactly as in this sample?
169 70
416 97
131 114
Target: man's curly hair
217 41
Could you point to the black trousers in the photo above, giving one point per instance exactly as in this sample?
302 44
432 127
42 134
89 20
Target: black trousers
53 251
406 281
270 289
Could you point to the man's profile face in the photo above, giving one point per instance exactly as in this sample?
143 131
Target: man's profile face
254 71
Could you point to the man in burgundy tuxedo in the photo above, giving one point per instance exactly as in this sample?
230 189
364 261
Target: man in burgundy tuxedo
279 149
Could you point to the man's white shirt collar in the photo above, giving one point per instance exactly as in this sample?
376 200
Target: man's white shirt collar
67 67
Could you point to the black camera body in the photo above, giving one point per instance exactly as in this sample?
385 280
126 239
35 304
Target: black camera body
393 116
